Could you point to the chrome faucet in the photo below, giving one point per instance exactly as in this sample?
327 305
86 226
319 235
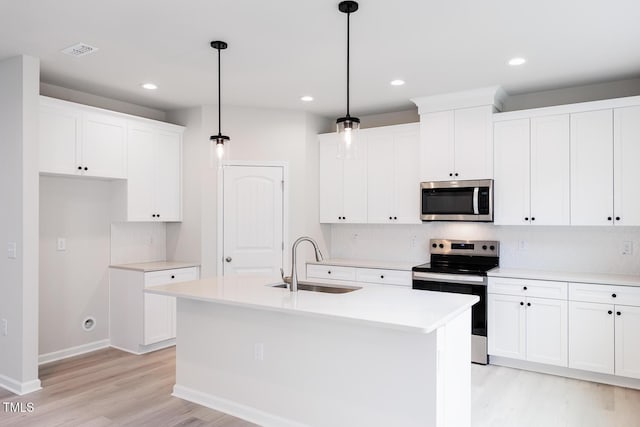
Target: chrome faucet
292 280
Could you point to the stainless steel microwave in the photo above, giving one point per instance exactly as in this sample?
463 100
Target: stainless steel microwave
457 200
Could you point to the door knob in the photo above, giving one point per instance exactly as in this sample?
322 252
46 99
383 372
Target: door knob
228 259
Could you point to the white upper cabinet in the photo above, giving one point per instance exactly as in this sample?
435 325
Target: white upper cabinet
456 144
531 171
592 168
626 152
393 186
155 172
343 183
78 141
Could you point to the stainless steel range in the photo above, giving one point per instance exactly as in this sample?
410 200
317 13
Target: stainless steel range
460 267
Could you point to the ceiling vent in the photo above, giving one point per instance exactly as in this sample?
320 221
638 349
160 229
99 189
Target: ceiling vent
80 49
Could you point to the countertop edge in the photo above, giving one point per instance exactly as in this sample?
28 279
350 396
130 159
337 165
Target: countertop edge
140 266
568 276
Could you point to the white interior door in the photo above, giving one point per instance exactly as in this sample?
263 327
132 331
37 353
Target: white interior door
253 237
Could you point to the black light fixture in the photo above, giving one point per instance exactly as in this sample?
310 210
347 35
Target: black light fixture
347 126
219 139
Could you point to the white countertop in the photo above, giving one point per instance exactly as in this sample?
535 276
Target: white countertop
154 266
565 276
376 305
364 263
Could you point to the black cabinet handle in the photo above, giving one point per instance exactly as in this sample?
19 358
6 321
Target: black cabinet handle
450 174
617 218
608 218
521 303
524 288
173 277
528 304
526 218
395 217
610 312
618 313
390 218
456 174
382 276
613 295
86 168
533 218
79 168
329 271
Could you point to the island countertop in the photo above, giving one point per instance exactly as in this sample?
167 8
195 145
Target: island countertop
377 305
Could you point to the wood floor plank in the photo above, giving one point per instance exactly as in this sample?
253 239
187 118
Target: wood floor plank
113 388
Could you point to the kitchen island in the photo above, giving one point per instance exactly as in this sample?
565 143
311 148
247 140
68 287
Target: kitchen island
377 356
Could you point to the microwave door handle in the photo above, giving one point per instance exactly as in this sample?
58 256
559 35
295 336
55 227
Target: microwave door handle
476 192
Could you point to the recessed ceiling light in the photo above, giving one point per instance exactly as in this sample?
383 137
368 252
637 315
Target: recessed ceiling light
150 86
397 82
306 98
514 62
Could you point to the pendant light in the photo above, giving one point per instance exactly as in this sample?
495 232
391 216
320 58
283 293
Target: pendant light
220 140
347 126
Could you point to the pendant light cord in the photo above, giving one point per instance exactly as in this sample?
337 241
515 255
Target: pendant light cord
348 43
219 96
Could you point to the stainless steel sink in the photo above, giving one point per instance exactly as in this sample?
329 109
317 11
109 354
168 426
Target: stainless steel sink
318 287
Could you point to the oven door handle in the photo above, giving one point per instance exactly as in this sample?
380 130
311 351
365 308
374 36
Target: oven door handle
476 197
455 278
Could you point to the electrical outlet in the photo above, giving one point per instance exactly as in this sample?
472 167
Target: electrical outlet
12 250
62 244
523 245
627 248
4 326
414 241
355 237
258 352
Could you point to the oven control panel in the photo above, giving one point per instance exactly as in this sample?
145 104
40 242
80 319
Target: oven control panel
464 247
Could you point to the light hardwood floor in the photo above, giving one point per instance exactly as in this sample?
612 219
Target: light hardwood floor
113 388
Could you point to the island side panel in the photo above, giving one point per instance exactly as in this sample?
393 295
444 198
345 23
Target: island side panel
314 371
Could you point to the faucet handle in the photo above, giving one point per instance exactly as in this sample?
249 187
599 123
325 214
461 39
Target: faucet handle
285 279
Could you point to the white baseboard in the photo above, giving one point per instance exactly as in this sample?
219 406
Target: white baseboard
144 349
19 388
73 351
235 409
561 371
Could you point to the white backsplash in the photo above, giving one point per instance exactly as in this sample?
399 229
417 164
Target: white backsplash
138 242
580 249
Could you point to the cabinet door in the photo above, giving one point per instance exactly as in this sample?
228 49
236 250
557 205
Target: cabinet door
141 174
380 176
511 169
592 168
158 318
473 143
59 140
627 325
507 327
331 179
626 151
168 182
104 146
547 331
407 181
437 146
591 336
355 187
550 170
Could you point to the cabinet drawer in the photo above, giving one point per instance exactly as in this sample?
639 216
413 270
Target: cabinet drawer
175 275
528 288
331 272
589 292
385 277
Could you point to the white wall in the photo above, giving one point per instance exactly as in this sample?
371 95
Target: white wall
74 283
19 78
133 242
256 134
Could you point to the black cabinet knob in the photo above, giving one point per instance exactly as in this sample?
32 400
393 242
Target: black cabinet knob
329 271
86 168
456 174
526 218
450 174
433 245
524 288
618 313
492 247
173 277
390 218
617 218
613 295
521 303
441 245
610 312
528 304
79 168
484 247
533 218
395 217
382 276
158 215
153 215
344 217
608 218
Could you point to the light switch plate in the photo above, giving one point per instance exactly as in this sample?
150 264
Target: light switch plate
62 244
12 250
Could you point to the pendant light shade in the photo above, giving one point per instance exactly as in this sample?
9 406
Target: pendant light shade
219 141
348 126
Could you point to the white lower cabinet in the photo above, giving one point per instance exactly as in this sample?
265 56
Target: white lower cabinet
522 325
359 274
604 337
141 322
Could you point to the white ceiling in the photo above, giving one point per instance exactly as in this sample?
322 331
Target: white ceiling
280 50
